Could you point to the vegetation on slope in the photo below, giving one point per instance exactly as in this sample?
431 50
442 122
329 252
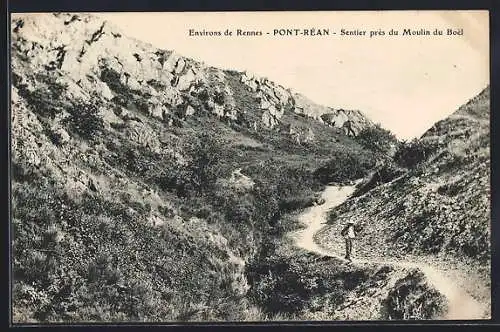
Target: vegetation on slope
432 200
304 286
108 252
120 214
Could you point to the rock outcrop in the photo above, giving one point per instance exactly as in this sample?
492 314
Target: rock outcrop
351 122
93 56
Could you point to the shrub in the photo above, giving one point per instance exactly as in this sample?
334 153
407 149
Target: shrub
219 98
377 139
84 118
279 189
142 105
204 162
45 100
289 284
410 154
55 88
450 189
411 298
386 173
43 103
112 79
159 86
119 126
20 173
203 95
171 180
345 166
120 100
275 287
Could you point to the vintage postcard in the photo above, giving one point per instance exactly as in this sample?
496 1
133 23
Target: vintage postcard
250 166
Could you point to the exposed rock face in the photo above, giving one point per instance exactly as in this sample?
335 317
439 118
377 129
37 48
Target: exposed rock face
306 107
351 122
300 134
96 57
274 100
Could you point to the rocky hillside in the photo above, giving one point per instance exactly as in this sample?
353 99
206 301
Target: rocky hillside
143 180
96 57
338 118
470 122
435 205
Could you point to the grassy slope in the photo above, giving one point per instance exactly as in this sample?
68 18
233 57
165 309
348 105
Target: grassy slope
102 230
93 254
86 255
439 210
304 286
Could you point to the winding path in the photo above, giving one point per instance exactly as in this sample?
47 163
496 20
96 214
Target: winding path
461 306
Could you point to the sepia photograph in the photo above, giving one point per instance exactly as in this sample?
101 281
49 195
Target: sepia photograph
292 166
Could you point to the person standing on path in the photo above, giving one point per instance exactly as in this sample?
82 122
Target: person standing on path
349 234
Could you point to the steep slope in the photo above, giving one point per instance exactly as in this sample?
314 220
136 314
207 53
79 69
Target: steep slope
143 180
474 116
437 211
97 57
338 118
458 304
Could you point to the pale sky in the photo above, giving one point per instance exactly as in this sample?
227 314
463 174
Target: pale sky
406 83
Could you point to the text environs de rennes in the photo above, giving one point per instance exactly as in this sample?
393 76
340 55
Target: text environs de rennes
236 32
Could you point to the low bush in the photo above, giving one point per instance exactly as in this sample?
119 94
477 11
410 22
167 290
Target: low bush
288 284
45 100
204 162
157 85
377 139
345 166
384 174
282 189
450 189
84 118
142 105
113 79
410 154
412 299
